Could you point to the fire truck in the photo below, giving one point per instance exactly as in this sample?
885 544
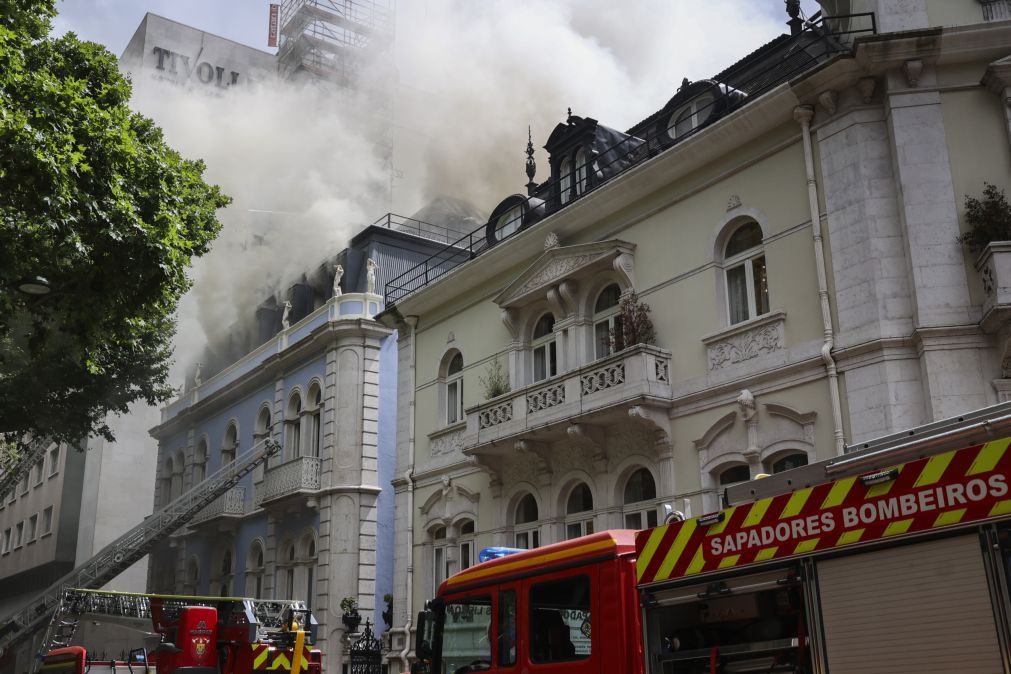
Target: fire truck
893 557
105 632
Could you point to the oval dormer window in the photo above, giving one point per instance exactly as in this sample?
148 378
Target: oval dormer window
690 117
509 223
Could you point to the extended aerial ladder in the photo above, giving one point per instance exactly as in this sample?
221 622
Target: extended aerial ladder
119 555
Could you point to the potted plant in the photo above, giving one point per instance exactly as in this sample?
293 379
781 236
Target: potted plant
351 617
635 326
496 381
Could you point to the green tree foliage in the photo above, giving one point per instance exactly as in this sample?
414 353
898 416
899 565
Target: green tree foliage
93 199
635 326
989 219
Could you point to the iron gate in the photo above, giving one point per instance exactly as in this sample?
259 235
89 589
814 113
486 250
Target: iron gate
366 653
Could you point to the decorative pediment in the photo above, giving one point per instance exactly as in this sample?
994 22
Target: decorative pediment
557 264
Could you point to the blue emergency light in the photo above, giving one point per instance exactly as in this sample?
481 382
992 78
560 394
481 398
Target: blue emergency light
495 553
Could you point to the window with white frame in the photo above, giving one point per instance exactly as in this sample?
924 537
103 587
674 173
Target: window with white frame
231 446
747 278
440 557
454 389
200 461
465 539
33 528
582 172
687 119
640 500
579 512
24 484
6 541
54 460
286 571
565 181
787 462
293 423
254 571
606 319
47 521
545 348
19 535
38 471
315 421
261 432
526 531
509 222
307 563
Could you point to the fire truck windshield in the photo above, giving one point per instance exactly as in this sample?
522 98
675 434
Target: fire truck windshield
462 635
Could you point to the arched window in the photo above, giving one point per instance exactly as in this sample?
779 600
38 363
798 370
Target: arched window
509 223
579 512
606 318
293 423
454 389
231 444
254 571
285 585
545 348
639 500
788 462
315 421
200 462
734 474
465 539
687 119
582 172
526 531
747 279
307 561
565 181
440 558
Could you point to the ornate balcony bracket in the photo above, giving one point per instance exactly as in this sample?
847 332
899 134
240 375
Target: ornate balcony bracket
541 454
592 439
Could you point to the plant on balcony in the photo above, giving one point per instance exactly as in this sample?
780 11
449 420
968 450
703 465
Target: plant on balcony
351 617
496 381
387 614
989 219
635 326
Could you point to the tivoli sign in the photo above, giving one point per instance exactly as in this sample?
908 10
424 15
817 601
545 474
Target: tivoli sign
202 71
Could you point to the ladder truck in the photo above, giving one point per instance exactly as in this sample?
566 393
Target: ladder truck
119 555
894 557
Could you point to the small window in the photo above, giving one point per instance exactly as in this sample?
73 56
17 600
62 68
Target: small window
545 348
231 445
24 484
315 422
565 181
454 389
54 460
582 172
606 319
527 532
466 538
38 471
507 628
33 527
6 541
687 119
640 490
509 223
293 441
789 462
580 502
747 275
734 475
47 520
19 535
440 561
560 624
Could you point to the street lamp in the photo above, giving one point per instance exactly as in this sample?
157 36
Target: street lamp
34 285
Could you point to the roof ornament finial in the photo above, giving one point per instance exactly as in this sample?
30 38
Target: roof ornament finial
685 82
531 164
795 23
568 120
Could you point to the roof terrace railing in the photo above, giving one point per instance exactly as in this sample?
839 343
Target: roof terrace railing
818 41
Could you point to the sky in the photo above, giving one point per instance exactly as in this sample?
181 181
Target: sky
473 76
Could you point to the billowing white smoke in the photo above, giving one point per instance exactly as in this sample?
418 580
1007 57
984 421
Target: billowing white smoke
472 75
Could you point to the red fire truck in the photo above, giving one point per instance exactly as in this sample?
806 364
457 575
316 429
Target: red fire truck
892 558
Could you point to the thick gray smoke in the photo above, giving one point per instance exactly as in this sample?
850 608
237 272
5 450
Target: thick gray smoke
473 75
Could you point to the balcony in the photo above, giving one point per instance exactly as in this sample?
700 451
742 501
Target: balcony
229 506
298 477
637 375
994 267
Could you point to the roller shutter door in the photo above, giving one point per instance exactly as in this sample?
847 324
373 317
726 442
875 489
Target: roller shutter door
913 609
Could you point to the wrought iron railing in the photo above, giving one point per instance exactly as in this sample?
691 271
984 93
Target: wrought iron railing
818 41
232 503
301 474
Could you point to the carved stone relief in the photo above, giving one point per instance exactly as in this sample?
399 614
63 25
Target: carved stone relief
745 346
449 443
555 269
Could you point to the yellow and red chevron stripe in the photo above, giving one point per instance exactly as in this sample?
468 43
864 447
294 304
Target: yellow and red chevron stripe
957 487
268 658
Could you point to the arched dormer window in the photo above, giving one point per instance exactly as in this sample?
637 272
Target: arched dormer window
579 512
526 531
315 420
565 181
508 223
293 424
545 348
582 172
747 278
639 500
231 444
690 117
606 318
454 389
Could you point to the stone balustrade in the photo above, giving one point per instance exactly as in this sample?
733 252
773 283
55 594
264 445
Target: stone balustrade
300 475
230 504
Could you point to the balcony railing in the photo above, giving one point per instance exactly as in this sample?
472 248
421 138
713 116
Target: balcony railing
301 475
637 373
230 504
996 10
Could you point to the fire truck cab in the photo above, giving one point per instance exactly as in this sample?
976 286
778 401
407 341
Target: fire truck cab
567 608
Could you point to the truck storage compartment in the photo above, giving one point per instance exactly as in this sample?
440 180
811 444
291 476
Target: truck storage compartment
917 608
753 623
